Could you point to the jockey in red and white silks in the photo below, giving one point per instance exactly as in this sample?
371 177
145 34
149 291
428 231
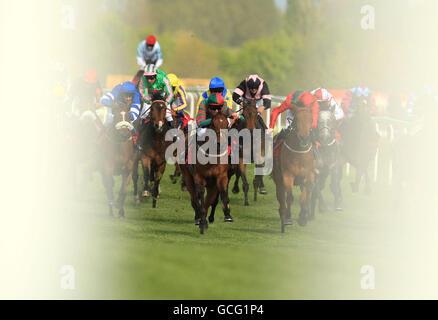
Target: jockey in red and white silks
322 94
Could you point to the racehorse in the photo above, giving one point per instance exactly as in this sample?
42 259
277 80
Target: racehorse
116 155
359 141
328 159
210 176
153 149
294 165
249 111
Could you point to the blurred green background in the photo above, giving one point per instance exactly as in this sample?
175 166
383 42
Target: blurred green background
294 44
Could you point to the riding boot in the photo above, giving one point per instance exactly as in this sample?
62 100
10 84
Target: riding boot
171 124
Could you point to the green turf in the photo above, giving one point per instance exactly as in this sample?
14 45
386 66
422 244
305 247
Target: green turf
160 254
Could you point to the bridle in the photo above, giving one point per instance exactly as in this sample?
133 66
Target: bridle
293 128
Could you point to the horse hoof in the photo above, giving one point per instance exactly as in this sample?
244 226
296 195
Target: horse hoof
228 218
282 228
339 208
287 222
246 203
302 221
263 191
122 217
197 221
235 190
210 219
146 194
172 178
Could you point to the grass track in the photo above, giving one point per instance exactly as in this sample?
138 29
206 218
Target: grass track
159 253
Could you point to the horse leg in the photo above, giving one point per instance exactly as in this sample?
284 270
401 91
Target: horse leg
305 196
280 192
236 182
245 184
213 208
335 186
108 183
146 164
319 186
135 181
355 185
126 178
222 185
200 189
158 173
203 224
289 202
212 200
256 184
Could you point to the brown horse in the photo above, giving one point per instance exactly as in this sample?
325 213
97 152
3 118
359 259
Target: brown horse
210 176
249 111
116 156
359 141
153 149
294 165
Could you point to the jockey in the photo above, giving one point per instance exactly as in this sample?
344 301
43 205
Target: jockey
322 94
299 98
148 52
155 82
350 99
84 92
254 88
179 102
216 85
211 106
122 94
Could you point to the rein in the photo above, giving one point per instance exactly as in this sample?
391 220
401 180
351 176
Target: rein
213 155
297 151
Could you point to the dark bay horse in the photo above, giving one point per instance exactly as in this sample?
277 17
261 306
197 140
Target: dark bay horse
359 142
249 111
210 176
294 165
328 160
116 155
153 150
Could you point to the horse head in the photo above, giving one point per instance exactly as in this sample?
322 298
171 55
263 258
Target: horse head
158 115
302 124
326 125
250 114
219 123
121 119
